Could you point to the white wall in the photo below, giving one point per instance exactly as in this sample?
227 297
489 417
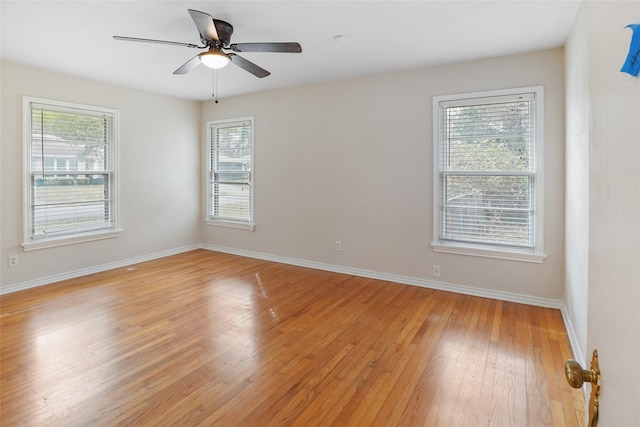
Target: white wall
352 161
577 181
159 173
610 143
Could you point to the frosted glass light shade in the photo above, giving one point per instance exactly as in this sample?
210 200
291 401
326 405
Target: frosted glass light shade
215 59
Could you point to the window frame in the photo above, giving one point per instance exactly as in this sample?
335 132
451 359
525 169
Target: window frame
213 220
28 242
487 249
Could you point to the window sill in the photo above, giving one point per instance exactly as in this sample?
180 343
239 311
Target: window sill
489 252
231 224
62 241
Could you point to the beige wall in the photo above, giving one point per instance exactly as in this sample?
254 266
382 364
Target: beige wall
603 109
159 159
348 161
352 161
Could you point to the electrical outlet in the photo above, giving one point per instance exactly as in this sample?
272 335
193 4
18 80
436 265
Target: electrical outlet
338 246
436 270
13 260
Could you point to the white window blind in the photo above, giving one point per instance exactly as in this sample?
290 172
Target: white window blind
230 171
486 154
70 170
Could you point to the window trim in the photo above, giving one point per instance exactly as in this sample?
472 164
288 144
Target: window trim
536 254
28 243
226 222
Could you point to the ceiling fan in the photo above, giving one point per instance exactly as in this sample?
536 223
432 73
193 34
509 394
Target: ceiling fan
215 35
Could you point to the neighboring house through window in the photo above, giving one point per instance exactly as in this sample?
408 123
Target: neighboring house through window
488 198
69 173
230 173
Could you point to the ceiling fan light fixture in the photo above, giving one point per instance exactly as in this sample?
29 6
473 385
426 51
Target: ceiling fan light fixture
215 59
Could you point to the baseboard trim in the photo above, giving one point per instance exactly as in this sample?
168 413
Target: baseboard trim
15 287
406 280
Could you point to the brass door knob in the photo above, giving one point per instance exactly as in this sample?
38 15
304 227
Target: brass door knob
576 376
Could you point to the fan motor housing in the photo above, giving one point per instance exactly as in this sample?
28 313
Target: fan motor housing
224 30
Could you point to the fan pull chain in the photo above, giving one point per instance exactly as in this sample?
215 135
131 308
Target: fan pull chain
214 89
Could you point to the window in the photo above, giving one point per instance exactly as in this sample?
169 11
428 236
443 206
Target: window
70 191
230 173
488 174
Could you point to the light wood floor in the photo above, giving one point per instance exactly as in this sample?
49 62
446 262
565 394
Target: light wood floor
205 338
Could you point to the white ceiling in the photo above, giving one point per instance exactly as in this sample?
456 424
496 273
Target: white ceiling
75 37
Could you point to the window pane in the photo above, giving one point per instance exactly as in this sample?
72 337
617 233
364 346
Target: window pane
69 141
57 156
65 204
492 137
231 201
233 137
492 209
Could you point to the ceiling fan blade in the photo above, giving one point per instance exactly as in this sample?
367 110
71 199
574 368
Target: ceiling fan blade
206 27
136 39
266 47
249 66
188 66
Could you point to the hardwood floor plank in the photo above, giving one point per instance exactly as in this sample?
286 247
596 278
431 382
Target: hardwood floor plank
206 338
